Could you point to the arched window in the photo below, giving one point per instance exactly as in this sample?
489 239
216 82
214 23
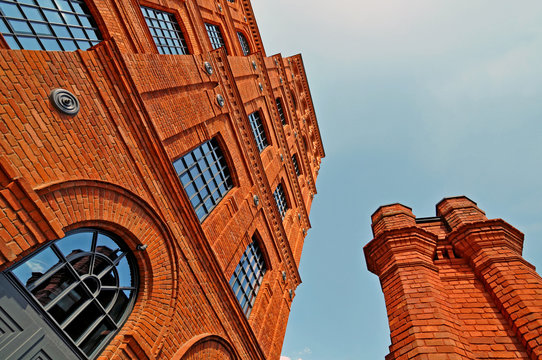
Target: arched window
85 284
248 276
244 43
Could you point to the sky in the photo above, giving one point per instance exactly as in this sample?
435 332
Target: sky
416 101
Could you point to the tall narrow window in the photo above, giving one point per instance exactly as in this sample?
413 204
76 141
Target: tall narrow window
165 31
281 111
85 283
215 36
244 43
280 199
248 276
258 130
48 25
205 177
296 165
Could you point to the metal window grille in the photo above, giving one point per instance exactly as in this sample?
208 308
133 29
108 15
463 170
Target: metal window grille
244 43
281 111
86 284
280 199
54 25
165 31
258 130
205 177
217 41
296 165
248 276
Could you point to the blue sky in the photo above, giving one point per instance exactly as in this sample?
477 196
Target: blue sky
416 100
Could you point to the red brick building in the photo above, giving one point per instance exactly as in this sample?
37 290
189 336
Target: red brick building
157 170
456 285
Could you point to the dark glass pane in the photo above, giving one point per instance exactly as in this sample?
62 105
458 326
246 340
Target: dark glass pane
81 264
68 304
105 297
101 263
165 31
109 279
53 286
96 337
33 268
83 321
121 303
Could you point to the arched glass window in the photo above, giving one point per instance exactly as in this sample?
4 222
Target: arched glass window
86 284
244 43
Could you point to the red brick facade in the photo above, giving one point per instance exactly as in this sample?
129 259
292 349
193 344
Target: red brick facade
110 167
456 286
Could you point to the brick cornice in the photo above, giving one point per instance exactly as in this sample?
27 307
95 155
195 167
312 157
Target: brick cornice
410 245
470 238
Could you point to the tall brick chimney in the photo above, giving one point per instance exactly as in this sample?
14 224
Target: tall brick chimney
456 285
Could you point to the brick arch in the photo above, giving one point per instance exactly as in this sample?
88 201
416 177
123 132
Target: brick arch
206 347
89 203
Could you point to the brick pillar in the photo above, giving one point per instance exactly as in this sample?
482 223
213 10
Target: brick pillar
422 325
493 249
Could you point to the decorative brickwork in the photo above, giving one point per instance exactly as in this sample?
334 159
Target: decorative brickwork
456 285
110 167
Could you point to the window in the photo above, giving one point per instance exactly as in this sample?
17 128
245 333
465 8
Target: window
86 283
281 111
165 31
205 177
244 43
258 130
280 199
48 25
248 276
215 36
296 165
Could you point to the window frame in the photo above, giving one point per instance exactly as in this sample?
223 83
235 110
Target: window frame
178 20
280 108
240 35
230 169
282 208
247 299
53 28
297 166
261 137
219 28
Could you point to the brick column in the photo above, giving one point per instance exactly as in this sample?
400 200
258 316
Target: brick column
493 249
422 325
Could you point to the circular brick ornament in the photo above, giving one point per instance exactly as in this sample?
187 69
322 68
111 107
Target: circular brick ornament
64 101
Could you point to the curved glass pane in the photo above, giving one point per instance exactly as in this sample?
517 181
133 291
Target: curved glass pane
34 268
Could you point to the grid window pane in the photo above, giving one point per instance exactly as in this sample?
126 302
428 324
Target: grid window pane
248 276
217 41
46 25
280 198
281 111
73 281
244 43
205 177
258 130
296 165
165 31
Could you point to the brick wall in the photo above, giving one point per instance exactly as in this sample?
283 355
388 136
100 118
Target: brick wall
110 167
